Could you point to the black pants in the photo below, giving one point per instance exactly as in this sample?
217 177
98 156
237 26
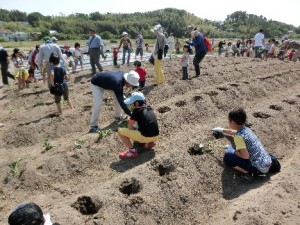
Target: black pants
185 75
142 83
115 61
196 62
5 73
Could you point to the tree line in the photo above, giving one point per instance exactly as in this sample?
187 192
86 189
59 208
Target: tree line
111 25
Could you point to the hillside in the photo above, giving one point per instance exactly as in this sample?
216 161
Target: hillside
111 25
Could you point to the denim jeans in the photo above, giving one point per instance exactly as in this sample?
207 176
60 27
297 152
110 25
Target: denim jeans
126 49
232 160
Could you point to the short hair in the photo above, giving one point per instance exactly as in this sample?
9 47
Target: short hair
238 115
92 30
54 59
261 30
186 46
137 63
77 45
140 102
29 213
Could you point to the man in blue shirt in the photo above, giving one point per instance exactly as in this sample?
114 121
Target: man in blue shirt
113 81
199 45
95 48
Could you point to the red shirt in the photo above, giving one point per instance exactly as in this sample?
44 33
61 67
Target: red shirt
115 52
142 72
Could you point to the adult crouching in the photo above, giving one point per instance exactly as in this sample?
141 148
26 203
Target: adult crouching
114 82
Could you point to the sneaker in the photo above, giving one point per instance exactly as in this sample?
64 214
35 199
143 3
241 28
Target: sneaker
128 154
94 129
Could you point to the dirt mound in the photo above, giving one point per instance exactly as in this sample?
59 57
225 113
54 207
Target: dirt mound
79 179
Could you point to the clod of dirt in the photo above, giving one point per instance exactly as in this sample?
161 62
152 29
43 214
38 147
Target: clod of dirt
197 98
196 149
163 167
290 101
87 108
163 170
87 205
129 187
164 109
212 93
276 107
51 115
261 115
235 216
180 103
222 88
136 201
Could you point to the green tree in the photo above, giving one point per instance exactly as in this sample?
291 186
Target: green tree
34 18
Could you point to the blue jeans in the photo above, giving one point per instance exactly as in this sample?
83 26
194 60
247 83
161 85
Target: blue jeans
126 49
232 160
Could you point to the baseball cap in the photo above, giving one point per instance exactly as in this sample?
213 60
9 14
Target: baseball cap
114 46
132 78
124 33
47 39
136 96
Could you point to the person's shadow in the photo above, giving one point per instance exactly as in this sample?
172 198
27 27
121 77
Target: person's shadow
233 186
125 164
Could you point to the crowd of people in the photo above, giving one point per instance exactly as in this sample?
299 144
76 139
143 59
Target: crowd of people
260 47
246 154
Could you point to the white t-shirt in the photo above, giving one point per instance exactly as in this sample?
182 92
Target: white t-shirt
77 53
258 39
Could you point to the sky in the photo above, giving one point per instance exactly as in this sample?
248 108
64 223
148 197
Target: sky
213 10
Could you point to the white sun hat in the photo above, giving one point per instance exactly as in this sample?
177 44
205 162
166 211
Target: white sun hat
132 78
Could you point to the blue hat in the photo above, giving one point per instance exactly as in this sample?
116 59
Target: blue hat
136 96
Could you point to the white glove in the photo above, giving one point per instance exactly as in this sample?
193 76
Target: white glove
218 129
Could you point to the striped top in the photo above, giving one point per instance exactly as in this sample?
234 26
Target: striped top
258 156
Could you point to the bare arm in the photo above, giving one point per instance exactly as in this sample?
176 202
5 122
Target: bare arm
243 153
229 131
120 43
52 78
130 125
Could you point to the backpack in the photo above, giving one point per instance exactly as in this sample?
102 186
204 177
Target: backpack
208 44
275 166
58 89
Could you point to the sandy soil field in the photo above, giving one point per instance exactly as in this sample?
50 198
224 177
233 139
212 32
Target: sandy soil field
81 180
